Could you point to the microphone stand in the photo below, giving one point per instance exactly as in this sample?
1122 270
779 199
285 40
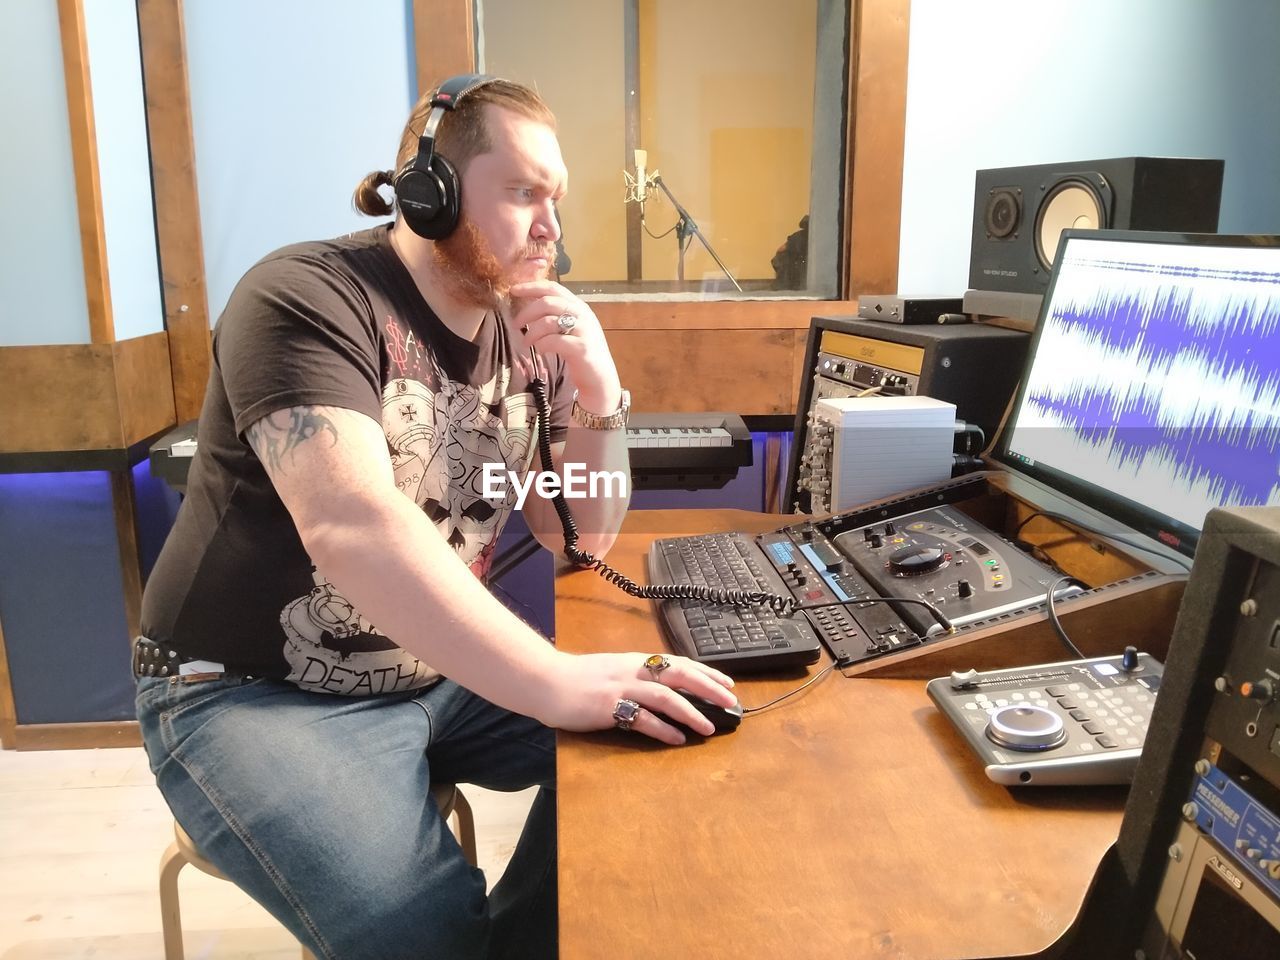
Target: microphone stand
686 230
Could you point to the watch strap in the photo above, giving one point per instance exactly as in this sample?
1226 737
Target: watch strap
594 421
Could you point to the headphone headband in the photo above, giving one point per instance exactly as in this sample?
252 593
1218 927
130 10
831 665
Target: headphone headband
447 97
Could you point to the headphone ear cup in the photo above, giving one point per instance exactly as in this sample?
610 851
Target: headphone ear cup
425 199
450 197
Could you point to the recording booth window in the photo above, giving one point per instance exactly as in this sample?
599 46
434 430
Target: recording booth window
705 142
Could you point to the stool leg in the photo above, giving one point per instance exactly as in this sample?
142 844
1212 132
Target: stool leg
171 862
466 827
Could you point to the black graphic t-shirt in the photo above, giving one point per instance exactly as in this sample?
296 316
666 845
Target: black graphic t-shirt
338 323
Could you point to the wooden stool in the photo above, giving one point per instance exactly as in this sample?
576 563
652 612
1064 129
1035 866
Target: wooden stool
453 807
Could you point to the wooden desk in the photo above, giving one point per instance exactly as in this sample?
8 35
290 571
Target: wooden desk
850 821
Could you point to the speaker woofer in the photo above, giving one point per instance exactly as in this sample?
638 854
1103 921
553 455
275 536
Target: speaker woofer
1003 212
1074 203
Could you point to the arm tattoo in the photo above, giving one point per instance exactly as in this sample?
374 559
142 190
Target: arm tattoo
279 434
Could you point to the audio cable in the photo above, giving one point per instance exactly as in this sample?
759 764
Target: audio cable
783 606
1055 622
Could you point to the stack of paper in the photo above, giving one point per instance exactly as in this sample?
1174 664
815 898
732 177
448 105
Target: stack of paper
885 445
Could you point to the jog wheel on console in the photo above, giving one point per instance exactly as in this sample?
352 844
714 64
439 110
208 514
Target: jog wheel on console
915 560
1026 727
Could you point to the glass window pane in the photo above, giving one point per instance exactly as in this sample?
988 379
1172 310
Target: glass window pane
740 112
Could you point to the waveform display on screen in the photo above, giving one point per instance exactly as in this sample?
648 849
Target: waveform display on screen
1157 375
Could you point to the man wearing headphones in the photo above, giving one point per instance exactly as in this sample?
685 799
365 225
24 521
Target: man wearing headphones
319 643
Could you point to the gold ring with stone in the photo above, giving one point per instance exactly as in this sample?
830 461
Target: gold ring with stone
655 664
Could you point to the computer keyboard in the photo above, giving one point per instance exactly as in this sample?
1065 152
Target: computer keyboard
728 637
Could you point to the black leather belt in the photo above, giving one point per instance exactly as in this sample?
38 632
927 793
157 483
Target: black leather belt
151 659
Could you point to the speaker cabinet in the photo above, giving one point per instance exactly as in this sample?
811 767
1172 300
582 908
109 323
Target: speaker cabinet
1019 213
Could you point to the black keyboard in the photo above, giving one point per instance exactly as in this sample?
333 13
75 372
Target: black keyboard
730 638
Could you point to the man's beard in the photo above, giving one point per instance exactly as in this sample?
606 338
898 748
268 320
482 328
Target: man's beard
470 269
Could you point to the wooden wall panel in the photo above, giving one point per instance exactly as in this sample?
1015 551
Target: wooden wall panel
747 372
444 40
715 314
144 387
84 162
58 398
177 206
8 710
76 736
124 504
738 356
876 143
84 396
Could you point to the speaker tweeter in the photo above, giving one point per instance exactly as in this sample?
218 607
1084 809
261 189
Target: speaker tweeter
1003 213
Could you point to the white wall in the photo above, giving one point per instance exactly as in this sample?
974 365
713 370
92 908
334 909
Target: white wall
995 83
124 166
42 298
292 103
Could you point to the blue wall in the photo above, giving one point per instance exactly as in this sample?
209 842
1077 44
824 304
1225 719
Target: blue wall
124 168
61 593
42 298
996 83
292 103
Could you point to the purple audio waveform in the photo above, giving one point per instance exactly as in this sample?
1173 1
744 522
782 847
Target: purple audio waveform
1211 334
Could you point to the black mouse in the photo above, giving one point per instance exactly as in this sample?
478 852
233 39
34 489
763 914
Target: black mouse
724 719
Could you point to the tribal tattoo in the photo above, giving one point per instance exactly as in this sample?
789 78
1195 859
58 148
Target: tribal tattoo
276 436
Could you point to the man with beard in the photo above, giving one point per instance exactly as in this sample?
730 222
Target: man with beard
319 643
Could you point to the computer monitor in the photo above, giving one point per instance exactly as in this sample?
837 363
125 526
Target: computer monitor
1152 392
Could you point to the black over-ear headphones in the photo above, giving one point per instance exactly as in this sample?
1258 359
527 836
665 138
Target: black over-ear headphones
427 188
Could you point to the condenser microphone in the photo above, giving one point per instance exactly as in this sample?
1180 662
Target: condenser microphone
642 157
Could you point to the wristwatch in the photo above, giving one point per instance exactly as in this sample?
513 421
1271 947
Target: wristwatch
593 421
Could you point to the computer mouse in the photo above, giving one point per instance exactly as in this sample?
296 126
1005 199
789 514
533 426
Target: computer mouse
724 719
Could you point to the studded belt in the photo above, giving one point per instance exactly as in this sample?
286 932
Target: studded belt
151 659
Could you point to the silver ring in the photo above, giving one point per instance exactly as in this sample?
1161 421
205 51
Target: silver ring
566 322
625 713
655 664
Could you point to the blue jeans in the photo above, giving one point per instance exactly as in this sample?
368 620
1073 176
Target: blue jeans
319 808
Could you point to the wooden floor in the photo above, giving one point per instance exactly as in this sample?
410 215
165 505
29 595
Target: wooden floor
81 834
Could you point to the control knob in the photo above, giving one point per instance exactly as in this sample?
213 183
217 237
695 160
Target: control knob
964 588
1258 690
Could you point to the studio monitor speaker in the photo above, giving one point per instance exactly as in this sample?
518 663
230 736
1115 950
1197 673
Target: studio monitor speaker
1019 213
